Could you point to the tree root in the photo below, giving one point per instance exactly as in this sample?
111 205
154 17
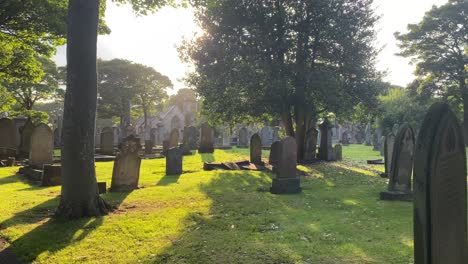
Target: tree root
94 207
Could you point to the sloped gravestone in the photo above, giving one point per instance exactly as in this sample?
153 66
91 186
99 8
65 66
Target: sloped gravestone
174 161
286 181
126 171
399 185
243 141
206 139
255 149
174 138
274 153
42 146
107 141
311 145
7 138
388 153
440 202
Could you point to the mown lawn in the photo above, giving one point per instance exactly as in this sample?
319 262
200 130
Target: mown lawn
217 217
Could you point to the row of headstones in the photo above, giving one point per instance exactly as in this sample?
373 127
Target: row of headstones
437 161
37 142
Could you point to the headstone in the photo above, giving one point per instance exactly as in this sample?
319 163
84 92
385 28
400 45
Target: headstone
174 138
266 135
276 136
256 149
440 201
399 186
126 171
243 141
382 146
153 135
148 146
51 175
345 138
274 153
174 161
190 137
368 135
206 139
19 122
310 145
26 132
338 152
286 181
107 141
7 138
326 148
388 152
42 146
165 146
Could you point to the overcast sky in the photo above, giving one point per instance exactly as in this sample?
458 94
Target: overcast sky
152 40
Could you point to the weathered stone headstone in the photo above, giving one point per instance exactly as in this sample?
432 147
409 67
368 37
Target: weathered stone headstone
368 135
190 137
256 149
25 142
149 146
243 140
326 147
51 175
274 153
126 171
388 153
174 161
7 138
399 186
266 135
174 138
338 152
286 180
440 201
206 139
382 146
310 145
107 141
42 146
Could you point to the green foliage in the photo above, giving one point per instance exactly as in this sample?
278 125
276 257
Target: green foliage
54 109
6 100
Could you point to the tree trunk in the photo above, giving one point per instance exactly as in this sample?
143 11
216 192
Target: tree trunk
80 197
145 114
465 109
288 124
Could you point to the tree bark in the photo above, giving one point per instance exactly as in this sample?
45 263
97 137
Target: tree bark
288 124
80 197
465 109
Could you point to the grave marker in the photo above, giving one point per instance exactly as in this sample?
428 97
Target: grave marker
42 146
256 149
126 171
286 181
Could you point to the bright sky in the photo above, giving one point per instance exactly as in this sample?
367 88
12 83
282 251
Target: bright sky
152 40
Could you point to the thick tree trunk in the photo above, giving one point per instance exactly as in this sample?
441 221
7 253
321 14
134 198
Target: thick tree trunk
465 110
80 195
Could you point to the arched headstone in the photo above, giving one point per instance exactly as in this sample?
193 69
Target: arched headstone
107 141
243 141
42 146
399 185
440 202
126 171
255 149
286 180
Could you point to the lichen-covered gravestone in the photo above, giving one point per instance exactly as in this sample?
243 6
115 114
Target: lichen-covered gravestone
399 185
388 153
126 171
7 138
174 138
107 141
326 148
206 139
286 180
256 149
174 161
243 138
25 141
274 153
310 145
440 202
42 146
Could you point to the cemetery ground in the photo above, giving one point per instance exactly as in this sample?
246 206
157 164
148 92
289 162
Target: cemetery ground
217 217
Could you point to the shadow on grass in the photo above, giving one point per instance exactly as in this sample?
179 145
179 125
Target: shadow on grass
168 180
9 179
52 234
246 224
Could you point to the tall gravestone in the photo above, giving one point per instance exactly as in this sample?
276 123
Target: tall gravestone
25 141
440 202
243 141
174 161
7 138
388 153
206 139
266 136
338 152
286 181
274 153
256 149
107 141
42 146
368 135
126 171
310 145
174 138
190 137
326 147
399 185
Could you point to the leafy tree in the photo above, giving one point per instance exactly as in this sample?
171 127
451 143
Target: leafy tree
293 59
438 46
6 100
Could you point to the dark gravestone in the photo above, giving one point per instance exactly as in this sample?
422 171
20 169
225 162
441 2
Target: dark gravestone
206 139
310 145
102 187
25 141
174 161
149 146
388 153
174 138
243 141
345 138
399 185
126 171
326 148
107 141
165 146
190 138
440 202
7 138
51 175
42 146
274 153
338 152
256 149
286 180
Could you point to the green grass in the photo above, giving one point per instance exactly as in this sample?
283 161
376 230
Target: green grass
217 217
